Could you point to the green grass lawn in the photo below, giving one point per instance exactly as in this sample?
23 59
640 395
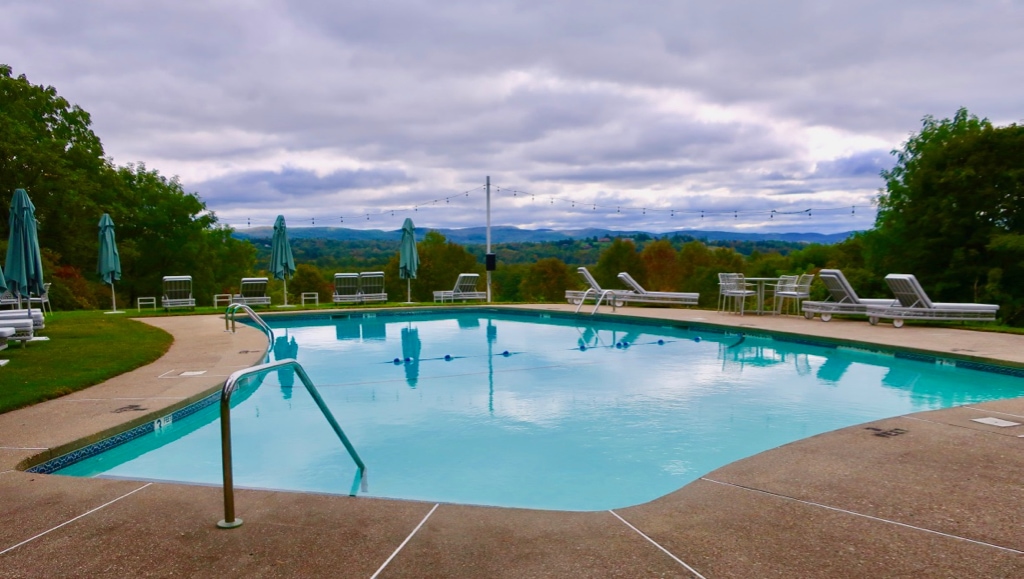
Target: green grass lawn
85 348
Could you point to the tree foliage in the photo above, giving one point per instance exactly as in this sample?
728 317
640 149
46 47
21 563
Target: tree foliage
47 147
952 212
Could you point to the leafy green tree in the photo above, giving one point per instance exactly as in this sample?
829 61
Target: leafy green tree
309 278
661 262
620 256
48 148
441 262
506 281
700 266
953 211
546 281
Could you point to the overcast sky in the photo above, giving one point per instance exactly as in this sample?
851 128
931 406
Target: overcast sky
626 115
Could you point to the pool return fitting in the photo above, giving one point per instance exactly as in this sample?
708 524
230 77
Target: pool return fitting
232 384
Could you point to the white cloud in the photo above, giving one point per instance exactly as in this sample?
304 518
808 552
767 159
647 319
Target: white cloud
267 107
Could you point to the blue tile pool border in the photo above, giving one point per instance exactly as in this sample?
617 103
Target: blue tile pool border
95 448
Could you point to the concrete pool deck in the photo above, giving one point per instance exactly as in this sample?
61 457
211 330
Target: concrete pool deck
943 498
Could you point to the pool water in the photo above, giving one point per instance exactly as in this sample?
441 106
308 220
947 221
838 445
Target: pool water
479 407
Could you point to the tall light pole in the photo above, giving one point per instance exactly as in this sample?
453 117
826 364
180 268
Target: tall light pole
490 259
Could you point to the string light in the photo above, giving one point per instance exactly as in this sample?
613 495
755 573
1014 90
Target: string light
619 209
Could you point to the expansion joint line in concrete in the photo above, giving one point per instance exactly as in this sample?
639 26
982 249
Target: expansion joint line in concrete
993 411
407 539
655 543
870 517
30 539
961 426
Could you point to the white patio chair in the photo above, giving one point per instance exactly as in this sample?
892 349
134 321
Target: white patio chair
799 289
914 304
177 292
842 299
734 286
641 295
43 299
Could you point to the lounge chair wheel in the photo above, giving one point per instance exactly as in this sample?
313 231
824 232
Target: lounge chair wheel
575 301
826 317
897 322
873 321
619 303
809 315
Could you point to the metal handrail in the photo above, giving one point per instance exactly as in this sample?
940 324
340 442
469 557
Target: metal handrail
230 385
229 315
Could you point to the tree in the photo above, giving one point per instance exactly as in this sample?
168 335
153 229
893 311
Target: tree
546 281
661 262
952 213
441 262
48 148
620 256
309 278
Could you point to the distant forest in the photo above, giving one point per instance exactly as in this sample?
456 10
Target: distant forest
364 255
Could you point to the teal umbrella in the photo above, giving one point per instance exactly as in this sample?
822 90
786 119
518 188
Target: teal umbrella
408 257
109 264
24 266
282 264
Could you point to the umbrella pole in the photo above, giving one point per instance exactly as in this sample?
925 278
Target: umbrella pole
113 301
286 289
408 290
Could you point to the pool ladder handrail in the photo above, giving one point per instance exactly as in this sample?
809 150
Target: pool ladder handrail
230 385
229 318
613 301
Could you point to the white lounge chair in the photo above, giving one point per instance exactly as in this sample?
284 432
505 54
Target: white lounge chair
36 315
252 291
841 300
5 333
371 287
177 292
595 292
464 290
346 288
667 298
24 329
913 304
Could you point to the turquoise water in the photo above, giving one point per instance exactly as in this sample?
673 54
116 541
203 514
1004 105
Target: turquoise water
570 419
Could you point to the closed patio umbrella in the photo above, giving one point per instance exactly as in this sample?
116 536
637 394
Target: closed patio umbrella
283 350
411 355
408 257
109 263
24 266
282 264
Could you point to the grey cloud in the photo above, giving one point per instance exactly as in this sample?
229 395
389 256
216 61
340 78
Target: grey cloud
560 96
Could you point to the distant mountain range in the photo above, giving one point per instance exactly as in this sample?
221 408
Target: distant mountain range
509 234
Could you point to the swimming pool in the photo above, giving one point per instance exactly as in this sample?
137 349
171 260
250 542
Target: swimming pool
528 410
